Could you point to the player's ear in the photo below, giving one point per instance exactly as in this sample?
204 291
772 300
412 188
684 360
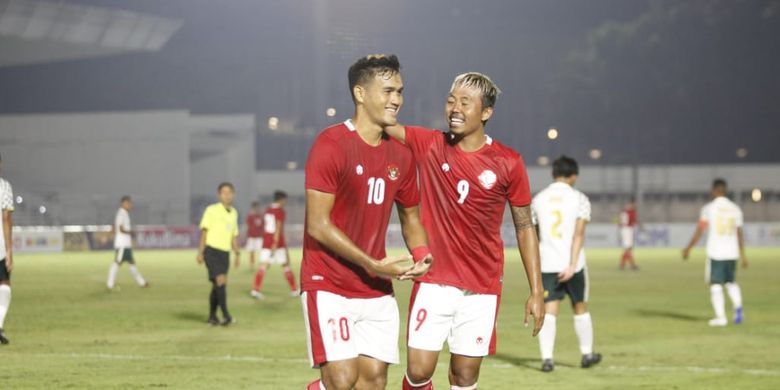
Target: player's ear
487 113
359 92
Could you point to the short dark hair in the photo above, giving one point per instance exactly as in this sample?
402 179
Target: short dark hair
225 184
369 66
125 198
719 184
279 195
565 166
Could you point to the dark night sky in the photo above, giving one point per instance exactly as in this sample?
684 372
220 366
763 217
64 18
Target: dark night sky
288 58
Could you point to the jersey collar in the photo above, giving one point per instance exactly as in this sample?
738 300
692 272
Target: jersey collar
350 125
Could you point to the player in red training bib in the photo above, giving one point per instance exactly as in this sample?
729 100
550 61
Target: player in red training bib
274 246
254 233
466 179
354 175
627 225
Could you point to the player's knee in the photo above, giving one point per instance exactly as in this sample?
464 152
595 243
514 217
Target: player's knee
419 373
580 308
220 280
377 381
340 380
463 376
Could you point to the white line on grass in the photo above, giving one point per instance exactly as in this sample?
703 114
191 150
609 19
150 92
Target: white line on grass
264 359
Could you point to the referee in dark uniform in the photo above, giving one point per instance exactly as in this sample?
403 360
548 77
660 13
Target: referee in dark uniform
218 235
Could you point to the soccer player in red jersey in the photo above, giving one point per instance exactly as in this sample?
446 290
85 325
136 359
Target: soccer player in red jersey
354 174
254 233
627 223
274 245
466 179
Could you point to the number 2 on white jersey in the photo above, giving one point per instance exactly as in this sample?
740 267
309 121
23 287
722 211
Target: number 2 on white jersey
376 190
463 190
555 229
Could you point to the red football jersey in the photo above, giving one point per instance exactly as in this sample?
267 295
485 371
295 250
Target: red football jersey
463 200
273 216
365 180
254 223
628 217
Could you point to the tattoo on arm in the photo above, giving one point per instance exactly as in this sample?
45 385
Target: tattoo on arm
522 217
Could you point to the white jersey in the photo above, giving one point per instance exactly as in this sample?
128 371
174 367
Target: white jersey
556 210
6 203
722 218
122 240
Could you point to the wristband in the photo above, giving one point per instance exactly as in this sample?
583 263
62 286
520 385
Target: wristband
420 252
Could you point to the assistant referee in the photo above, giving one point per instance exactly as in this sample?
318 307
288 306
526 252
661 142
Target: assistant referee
218 235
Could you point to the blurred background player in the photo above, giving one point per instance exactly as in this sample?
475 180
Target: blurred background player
274 249
561 213
123 244
466 179
218 235
354 175
6 251
627 222
254 233
723 221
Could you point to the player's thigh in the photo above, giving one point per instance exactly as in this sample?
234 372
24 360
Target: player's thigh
253 244
721 272
280 256
627 237
128 256
5 275
431 313
474 326
553 290
421 364
376 328
266 255
330 323
577 287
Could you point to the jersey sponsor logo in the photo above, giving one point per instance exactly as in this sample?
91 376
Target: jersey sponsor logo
445 167
393 172
359 170
487 179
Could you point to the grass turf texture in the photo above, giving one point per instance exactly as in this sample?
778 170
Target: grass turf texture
68 331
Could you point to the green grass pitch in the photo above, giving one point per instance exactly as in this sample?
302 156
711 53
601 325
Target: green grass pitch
67 331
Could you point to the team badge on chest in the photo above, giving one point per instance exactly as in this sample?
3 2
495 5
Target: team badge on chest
487 179
359 170
393 172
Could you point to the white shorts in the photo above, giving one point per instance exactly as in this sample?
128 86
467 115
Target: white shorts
279 256
466 320
341 328
254 244
627 237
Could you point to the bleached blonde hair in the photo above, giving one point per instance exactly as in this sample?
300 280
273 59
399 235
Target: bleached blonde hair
488 89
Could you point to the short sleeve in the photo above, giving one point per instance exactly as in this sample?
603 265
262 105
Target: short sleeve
408 194
703 217
205 221
583 207
7 200
740 219
534 217
519 190
420 139
324 166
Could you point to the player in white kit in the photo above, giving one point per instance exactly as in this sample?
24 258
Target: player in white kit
722 219
6 251
561 213
123 245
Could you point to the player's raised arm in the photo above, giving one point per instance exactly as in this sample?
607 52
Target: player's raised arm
528 244
416 241
320 227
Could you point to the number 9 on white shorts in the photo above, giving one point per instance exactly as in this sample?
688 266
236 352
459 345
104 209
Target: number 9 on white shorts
466 320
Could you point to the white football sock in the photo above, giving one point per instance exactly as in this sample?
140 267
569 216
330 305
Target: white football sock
137 275
112 275
547 336
5 302
583 327
718 301
735 293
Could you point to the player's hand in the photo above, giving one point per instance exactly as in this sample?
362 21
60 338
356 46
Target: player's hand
9 262
567 274
743 261
390 267
200 259
685 253
535 306
420 268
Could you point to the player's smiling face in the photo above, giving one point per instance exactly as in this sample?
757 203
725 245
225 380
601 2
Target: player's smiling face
464 110
382 98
